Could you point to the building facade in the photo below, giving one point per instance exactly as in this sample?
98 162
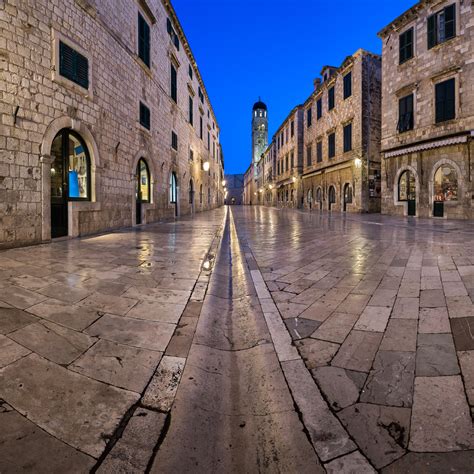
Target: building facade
288 143
106 121
234 185
341 164
428 111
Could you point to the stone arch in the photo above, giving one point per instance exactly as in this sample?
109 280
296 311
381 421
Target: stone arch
396 202
49 135
436 166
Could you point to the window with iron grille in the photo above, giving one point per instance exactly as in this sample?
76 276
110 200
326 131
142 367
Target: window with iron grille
174 83
405 46
332 145
331 98
442 26
445 100
405 114
174 141
347 85
172 33
143 40
319 109
347 135
73 65
319 152
144 116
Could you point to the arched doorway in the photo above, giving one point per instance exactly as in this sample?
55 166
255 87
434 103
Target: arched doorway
445 188
70 177
407 191
319 198
191 195
347 196
331 197
142 192
174 192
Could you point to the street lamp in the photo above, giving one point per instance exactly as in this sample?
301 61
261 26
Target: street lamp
206 166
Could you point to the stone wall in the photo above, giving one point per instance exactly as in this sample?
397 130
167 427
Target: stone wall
36 102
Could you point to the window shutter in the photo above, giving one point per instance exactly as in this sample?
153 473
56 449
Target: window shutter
169 28
432 34
450 21
67 61
82 70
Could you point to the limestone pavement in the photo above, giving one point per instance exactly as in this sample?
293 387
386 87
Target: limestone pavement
283 341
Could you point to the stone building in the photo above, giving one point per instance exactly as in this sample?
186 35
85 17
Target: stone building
234 184
105 119
341 162
428 111
250 187
288 144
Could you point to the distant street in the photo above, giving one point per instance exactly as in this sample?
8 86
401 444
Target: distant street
245 339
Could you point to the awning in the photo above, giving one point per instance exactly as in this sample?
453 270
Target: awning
426 146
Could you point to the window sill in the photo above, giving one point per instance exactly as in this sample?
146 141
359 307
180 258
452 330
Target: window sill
143 65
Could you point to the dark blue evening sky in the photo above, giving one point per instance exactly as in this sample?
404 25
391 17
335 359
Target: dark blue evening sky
273 49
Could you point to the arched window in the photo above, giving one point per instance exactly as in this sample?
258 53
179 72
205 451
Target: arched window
70 168
173 188
332 194
406 186
348 193
319 196
143 181
191 191
445 185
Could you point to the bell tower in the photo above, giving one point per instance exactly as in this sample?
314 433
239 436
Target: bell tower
259 130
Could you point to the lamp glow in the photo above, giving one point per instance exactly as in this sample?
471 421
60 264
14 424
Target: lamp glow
224 182
206 166
294 179
358 162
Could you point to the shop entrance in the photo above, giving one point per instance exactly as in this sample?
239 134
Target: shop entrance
70 178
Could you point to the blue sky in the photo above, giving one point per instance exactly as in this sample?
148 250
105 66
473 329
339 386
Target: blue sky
273 49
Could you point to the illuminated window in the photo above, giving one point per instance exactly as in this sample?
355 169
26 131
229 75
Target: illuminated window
143 181
445 184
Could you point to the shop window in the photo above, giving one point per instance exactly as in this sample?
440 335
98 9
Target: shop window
445 184
70 169
406 186
173 188
143 181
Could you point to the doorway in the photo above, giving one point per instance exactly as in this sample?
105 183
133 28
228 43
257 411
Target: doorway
174 193
70 178
142 194
331 197
347 196
407 191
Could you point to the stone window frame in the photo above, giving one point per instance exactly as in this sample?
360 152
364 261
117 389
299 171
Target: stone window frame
56 38
452 73
400 94
411 25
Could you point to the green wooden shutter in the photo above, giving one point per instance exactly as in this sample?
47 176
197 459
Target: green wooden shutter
450 21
